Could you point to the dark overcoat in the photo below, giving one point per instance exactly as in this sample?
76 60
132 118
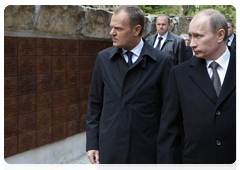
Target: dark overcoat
233 45
125 105
173 45
195 117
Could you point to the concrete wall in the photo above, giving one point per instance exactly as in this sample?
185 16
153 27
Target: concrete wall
61 152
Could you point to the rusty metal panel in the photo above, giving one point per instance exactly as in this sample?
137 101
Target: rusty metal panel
44 101
27 141
44 119
72 63
59 115
44 136
26 123
10 86
59 131
10 146
59 47
26 46
10 126
44 83
59 98
26 85
10 107
43 65
10 46
10 66
73 47
26 65
43 46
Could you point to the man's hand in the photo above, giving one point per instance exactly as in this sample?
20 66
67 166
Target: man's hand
93 156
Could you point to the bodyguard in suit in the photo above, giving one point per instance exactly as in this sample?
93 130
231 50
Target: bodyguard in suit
126 94
167 42
198 123
231 35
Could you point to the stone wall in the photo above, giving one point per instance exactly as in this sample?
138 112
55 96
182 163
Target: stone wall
72 22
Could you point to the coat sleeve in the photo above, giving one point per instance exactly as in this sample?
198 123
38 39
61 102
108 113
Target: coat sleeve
94 108
182 54
171 131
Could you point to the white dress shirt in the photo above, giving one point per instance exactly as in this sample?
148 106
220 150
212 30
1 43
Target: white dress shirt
223 65
136 52
163 40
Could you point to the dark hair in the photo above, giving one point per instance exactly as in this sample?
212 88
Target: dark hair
217 21
136 15
231 22
165 15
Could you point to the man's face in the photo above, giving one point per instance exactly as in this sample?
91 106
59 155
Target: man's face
203 41
121 33
230 30
162 25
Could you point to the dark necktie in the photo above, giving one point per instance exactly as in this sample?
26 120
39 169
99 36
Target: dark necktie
129 54
215 77
159 43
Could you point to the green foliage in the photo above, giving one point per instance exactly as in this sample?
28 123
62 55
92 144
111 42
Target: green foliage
228 11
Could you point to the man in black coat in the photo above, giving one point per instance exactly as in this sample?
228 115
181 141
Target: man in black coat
126 94
231 35
167 42
198 123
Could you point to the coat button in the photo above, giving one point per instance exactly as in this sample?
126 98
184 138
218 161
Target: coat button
218 142
218 113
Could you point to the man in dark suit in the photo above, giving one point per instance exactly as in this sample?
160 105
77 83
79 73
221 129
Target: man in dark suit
167 42
231 35
126 94
198 122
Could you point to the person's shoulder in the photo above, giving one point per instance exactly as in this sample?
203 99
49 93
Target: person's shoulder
108 50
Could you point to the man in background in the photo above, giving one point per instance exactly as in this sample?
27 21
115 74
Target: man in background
167 42
231 35
189 51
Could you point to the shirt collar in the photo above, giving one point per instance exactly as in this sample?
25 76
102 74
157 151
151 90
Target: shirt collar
222 61
231 38
137 50
164 36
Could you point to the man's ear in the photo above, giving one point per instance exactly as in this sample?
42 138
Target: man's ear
221 35
137 30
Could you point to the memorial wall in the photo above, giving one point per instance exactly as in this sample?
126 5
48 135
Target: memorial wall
46 86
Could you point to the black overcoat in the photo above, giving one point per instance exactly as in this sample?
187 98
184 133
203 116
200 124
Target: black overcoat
125 105
192 114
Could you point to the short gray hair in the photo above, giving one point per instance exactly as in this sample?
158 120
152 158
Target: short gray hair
184 35
136 15
217 21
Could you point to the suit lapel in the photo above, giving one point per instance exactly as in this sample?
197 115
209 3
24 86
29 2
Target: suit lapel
230 79
200 76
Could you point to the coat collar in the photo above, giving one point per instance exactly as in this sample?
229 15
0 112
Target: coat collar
146 51
229 83
199 74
